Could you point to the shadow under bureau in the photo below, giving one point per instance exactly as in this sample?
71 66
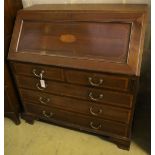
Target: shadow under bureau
78 66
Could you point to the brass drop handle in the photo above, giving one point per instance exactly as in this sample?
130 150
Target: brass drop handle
95 99
90 79
37 75
93 113
95 127
40 88
44 100
47 115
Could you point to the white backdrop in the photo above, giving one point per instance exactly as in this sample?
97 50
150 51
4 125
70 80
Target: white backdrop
27 3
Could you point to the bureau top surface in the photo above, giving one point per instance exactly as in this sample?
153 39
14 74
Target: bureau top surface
97 37
90 7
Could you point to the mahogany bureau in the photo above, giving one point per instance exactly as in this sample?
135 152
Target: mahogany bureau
78 66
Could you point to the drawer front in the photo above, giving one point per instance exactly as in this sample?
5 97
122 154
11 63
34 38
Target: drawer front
80 121
35 70
86 93
74 105
97 80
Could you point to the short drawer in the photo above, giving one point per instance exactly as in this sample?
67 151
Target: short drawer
98 80
93 95
75 105
78 121
35 70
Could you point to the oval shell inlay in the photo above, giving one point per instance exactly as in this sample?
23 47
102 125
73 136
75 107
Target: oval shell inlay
67 38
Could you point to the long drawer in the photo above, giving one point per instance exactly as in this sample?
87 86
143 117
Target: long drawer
34 70
80 92
98 80
80 121
74 105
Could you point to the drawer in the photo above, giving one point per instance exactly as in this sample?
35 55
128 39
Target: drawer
34 70
91 94
97 80
79 121
74 105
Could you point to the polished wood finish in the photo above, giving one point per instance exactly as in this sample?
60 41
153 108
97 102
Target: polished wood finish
34 70
11 105
80 92
107 41
61 56
107 126
75 76
99 80
79 65
74 105
11 102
